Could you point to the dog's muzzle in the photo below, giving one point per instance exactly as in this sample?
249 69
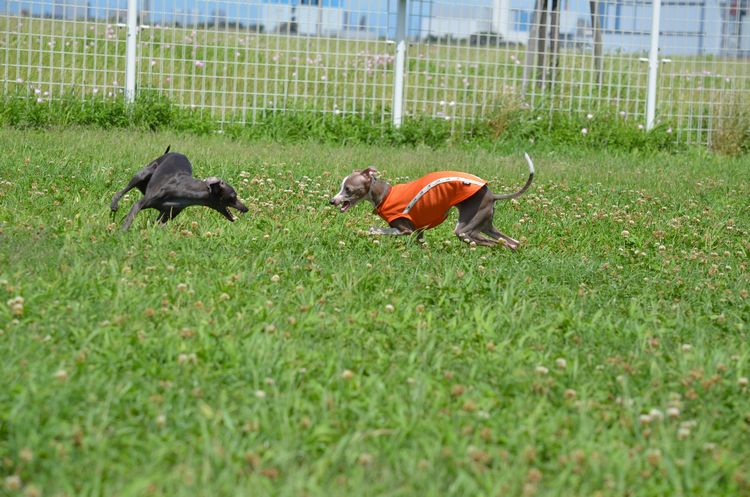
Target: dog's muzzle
345 204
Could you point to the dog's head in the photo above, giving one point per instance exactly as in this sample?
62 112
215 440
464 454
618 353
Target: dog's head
222 196
354 188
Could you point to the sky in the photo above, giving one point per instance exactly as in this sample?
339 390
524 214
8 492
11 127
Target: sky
378 15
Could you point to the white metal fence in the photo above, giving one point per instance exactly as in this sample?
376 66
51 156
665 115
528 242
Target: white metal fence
462 60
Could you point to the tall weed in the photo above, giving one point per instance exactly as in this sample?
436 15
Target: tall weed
731 136
512 123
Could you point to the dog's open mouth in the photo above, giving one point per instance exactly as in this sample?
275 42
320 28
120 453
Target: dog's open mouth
228 214
345 206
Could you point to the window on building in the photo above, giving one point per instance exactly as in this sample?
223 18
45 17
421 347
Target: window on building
521 20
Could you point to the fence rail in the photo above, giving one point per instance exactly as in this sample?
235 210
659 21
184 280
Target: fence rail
462 60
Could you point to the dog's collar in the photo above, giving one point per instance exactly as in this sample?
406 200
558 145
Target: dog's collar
382 201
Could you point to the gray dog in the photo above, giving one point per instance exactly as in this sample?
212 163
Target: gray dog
168 185
424 203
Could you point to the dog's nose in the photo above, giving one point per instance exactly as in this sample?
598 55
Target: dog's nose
332 201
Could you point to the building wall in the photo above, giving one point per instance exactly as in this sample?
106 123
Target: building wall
686 29
319 20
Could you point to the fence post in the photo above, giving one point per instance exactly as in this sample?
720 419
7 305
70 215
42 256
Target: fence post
398 72
653 64
130 49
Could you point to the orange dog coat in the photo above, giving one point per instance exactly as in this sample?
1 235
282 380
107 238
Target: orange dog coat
426 201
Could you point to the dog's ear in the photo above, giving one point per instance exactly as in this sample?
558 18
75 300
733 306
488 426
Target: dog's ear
370 172
214 184
167 150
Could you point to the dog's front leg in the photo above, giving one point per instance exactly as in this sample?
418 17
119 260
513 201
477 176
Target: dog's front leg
387 231
133 211
400 226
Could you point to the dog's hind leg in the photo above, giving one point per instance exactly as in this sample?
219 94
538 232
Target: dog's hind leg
469 232
509 242
482 223
168 214
139 180
474 237
470 222
483 240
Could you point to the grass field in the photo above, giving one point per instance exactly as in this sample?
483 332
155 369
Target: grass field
289 354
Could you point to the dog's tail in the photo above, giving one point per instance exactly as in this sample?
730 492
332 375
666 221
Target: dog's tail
167 150
525 187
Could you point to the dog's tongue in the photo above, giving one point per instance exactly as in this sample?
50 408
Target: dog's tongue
345 206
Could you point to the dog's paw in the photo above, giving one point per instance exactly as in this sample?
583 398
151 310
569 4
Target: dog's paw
511 245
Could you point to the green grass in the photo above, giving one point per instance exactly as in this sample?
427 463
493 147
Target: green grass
260 357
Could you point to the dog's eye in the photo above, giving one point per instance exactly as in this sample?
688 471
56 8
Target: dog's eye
347 190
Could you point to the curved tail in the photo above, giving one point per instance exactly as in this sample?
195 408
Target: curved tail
520 192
